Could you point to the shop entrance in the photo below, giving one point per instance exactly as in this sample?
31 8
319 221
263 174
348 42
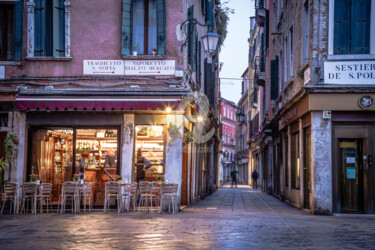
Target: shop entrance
351 174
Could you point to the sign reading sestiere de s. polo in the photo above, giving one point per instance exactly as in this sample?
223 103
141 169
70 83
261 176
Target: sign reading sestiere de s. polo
349 72
129 67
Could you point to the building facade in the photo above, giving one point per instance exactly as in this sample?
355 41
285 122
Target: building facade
242 135
228 140
318 129
97 84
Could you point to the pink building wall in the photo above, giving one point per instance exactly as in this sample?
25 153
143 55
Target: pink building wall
96 34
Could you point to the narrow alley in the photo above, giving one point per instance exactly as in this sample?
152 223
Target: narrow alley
235 218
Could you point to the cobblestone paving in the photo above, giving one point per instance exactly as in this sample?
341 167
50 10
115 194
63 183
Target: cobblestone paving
240 218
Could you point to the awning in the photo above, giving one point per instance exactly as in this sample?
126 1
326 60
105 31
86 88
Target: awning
80 104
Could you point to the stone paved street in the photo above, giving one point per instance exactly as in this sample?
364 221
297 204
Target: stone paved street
231 218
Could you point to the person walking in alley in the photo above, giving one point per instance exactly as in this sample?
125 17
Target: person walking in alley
254 176
233 174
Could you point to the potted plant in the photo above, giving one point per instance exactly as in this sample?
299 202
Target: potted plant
159 179
154 52
75 177
118 178
3 165
33 177
135 49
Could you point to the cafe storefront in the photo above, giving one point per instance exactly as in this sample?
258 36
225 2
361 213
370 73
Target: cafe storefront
104 144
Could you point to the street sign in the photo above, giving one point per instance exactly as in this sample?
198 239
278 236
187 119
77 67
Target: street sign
103 67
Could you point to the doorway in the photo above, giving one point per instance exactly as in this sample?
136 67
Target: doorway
307 170
351 174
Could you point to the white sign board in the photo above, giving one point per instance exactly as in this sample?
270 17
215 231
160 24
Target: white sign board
103 67
349 72
129 67
150 67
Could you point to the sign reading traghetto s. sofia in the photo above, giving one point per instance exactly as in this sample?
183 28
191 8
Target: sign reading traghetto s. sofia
350 72
129 67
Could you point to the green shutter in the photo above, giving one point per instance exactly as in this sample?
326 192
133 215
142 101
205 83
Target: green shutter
161 19
126 29
341 27
39 27
360 27
209 13
58 28
274 79
199 71
209 79
18 30
266 30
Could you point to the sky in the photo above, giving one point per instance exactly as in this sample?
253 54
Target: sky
234 53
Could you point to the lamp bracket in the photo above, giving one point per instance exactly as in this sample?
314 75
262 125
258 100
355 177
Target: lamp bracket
192 21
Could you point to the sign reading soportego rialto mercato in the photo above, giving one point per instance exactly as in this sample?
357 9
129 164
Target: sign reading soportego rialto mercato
350 72
129 67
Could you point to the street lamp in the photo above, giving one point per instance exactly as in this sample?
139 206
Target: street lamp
210 41
240 117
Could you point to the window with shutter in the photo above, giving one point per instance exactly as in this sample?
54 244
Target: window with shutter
274 77
192 40
11 30
49 21
352 27
143 27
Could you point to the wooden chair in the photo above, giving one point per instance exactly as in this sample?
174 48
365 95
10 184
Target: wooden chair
169 196
29 195
145 202
112 192
129 195
69 191
10 194
45 191
85 194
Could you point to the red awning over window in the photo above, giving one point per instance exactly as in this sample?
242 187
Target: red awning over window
80 105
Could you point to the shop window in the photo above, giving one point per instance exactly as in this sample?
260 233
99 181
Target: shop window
56 159
286 168
11 17
149 153
295 159
49 35
143 26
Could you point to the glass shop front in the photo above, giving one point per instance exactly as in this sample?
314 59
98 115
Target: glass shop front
60 154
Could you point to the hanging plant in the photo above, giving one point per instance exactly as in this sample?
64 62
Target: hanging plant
9 145
188 137
174 130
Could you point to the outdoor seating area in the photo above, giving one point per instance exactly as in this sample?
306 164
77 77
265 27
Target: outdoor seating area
141 198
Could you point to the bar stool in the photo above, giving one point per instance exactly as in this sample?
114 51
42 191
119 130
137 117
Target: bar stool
168 196
45 190
69 191
10 194
112 191
145 190
29 194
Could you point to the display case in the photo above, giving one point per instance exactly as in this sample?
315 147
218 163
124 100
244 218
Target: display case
150 143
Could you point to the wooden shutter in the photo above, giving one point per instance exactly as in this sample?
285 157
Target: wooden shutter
192 44
18 30
39 27
341 27
274 78
360 27
58 28
126 28
161 19
209 87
